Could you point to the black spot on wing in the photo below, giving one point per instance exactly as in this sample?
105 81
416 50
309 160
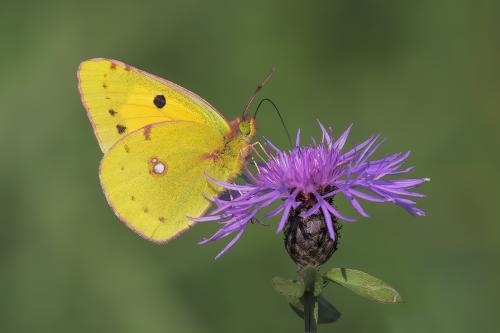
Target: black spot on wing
112 112
159 101
121 129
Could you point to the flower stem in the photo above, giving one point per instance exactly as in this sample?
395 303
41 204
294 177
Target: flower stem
310 325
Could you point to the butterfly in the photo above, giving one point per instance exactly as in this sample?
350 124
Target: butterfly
160 142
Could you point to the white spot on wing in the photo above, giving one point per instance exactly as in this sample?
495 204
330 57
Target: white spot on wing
157 167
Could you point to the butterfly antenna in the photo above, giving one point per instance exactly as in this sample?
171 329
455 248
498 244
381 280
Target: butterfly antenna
259 88
279 115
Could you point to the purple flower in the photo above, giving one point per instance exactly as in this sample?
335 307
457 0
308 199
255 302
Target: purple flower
310 176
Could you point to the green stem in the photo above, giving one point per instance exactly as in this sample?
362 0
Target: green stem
309 321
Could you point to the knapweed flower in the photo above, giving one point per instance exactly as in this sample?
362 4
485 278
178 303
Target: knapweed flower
303 182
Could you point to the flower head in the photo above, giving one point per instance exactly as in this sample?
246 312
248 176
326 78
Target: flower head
305 180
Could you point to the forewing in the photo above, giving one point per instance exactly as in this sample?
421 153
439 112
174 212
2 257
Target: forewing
120 99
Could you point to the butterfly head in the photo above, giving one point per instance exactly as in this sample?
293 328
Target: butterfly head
243 128
247 127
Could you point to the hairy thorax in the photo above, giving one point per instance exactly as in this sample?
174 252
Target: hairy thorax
236 148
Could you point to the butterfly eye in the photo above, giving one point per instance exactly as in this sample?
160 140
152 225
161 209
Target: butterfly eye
160 101
244 128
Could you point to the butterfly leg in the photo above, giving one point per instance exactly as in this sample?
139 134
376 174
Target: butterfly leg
258 144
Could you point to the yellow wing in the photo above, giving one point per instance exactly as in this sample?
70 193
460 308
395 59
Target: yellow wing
120 99
155 177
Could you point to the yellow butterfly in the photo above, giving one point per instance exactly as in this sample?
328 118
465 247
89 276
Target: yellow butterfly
160 142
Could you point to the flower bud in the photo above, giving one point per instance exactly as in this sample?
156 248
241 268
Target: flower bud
307 240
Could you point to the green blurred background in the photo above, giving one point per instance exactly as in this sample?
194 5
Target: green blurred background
423 73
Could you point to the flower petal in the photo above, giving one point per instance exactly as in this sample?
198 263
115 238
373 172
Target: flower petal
355 203
284 217
297 139
338 214
339 144
366 196
328 221
230 244
326 136
230 186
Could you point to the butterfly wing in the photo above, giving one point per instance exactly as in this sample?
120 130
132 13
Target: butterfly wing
155 177
120 99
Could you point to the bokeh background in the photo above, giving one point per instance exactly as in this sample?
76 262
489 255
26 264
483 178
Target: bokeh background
425 74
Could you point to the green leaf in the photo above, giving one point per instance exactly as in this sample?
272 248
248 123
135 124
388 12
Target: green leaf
326 312
364 285
312 280
288 288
